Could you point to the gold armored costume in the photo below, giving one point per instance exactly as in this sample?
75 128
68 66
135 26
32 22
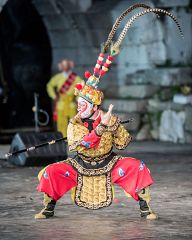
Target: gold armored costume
94 189
94 167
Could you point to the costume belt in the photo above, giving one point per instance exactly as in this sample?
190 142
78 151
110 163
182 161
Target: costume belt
95 167
94 160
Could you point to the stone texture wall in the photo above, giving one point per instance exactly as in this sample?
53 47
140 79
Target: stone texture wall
76 30
154 62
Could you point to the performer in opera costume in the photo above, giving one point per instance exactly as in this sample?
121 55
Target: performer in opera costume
92 135
60 89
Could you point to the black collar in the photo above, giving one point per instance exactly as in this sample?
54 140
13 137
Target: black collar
90 123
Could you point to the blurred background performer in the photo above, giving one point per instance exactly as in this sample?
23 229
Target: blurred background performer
60 89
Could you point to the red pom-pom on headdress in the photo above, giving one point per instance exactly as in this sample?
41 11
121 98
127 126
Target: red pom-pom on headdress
78 86
101 72
110 58
96 70
87 74
106 65
99 62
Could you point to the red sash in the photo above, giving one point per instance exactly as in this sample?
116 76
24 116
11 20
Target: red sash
65 87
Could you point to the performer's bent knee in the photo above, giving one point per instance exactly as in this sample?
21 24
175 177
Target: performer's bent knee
51 169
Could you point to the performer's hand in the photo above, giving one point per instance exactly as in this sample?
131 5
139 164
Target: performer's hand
107 116
77 116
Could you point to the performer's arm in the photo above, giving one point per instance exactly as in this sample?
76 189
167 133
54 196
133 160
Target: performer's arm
121 137
79 141
92 139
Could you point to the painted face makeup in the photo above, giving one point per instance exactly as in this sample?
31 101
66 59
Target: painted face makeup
85 108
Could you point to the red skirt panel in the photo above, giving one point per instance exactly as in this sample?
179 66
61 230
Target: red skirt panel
129 173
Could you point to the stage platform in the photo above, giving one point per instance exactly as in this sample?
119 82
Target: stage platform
171 167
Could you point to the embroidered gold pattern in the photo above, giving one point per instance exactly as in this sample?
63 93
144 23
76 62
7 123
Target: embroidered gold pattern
123 146
100 129
74 145
94 192
113 124
121 138
75 135
93 172
94 188
76 132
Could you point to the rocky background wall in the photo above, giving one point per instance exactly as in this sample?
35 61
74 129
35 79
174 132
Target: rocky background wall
150 80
